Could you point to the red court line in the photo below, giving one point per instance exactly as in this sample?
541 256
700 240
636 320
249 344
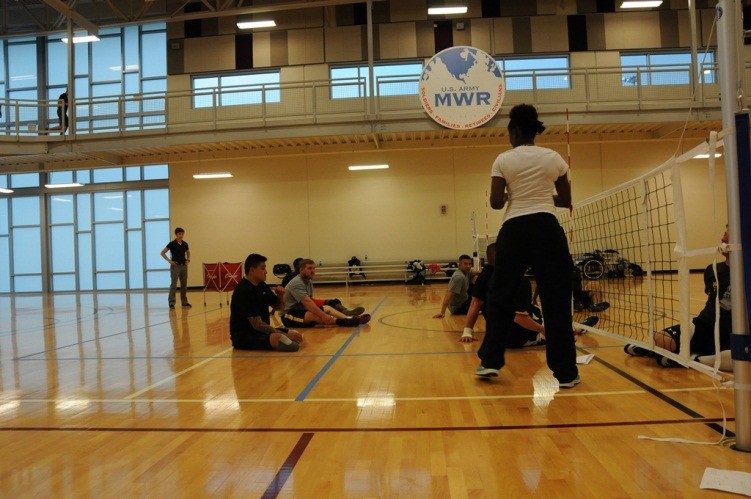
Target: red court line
376 429
277 484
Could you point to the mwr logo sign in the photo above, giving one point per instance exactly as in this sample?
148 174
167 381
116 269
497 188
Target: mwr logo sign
461 87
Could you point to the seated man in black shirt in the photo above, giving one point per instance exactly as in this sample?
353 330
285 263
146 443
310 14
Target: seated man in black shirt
249 321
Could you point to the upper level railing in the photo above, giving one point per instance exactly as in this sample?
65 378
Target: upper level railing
316 102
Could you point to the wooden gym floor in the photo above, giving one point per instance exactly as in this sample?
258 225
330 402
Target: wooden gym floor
114 395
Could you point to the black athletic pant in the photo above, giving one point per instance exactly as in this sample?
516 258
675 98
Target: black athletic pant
536 241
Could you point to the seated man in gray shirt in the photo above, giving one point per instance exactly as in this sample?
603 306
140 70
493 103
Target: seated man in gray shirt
301 311
457 298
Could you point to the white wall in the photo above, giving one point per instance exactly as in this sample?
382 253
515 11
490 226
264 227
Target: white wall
312 206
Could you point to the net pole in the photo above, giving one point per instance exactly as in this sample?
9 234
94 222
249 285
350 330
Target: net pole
728 40
568 140
476 243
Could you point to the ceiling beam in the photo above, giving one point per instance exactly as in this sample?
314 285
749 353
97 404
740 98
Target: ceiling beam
260 9
115 10
73 16
26 9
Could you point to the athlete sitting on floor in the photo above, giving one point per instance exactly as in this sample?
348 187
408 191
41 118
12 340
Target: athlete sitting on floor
301 311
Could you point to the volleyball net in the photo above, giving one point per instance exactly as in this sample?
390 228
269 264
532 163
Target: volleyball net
630 246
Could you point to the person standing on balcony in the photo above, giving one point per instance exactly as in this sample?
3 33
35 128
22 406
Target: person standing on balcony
62 111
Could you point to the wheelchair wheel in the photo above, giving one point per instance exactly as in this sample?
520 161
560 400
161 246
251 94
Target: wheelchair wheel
592 269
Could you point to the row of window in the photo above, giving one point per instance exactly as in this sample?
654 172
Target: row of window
125 61
403 78
96 176
106 238
121 64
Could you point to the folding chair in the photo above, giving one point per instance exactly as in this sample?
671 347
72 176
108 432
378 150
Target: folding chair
229 277
211 280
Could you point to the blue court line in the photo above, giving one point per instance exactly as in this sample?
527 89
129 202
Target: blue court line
325 368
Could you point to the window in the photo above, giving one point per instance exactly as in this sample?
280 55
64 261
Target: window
665 68
535 72
127 63
236 89
4 108
107 238
22 83
390 79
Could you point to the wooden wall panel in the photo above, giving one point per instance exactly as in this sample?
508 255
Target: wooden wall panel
504 36
343 44
305 46
397 40
408 11
596 32
480 32
462 36
214 53
549 33
637 30
425 38
262 49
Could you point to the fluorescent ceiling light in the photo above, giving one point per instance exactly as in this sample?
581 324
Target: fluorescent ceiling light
256 24
435 11
367 167
82 39
5 191
62 186
706 155
213 175
641 4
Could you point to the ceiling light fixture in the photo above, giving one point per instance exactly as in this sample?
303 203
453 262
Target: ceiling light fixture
5 191
706 155
641 4
201 176
256 24
82 39
437 11
63 186
367 167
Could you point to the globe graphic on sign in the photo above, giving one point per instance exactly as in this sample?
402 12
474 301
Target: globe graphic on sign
461 87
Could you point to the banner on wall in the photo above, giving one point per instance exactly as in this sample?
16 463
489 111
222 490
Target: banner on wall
461 88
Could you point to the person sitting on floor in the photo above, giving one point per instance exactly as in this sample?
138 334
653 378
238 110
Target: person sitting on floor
301 311
702 326
295 271
249 323
479 292
334 303
586 299
457 298
528 324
